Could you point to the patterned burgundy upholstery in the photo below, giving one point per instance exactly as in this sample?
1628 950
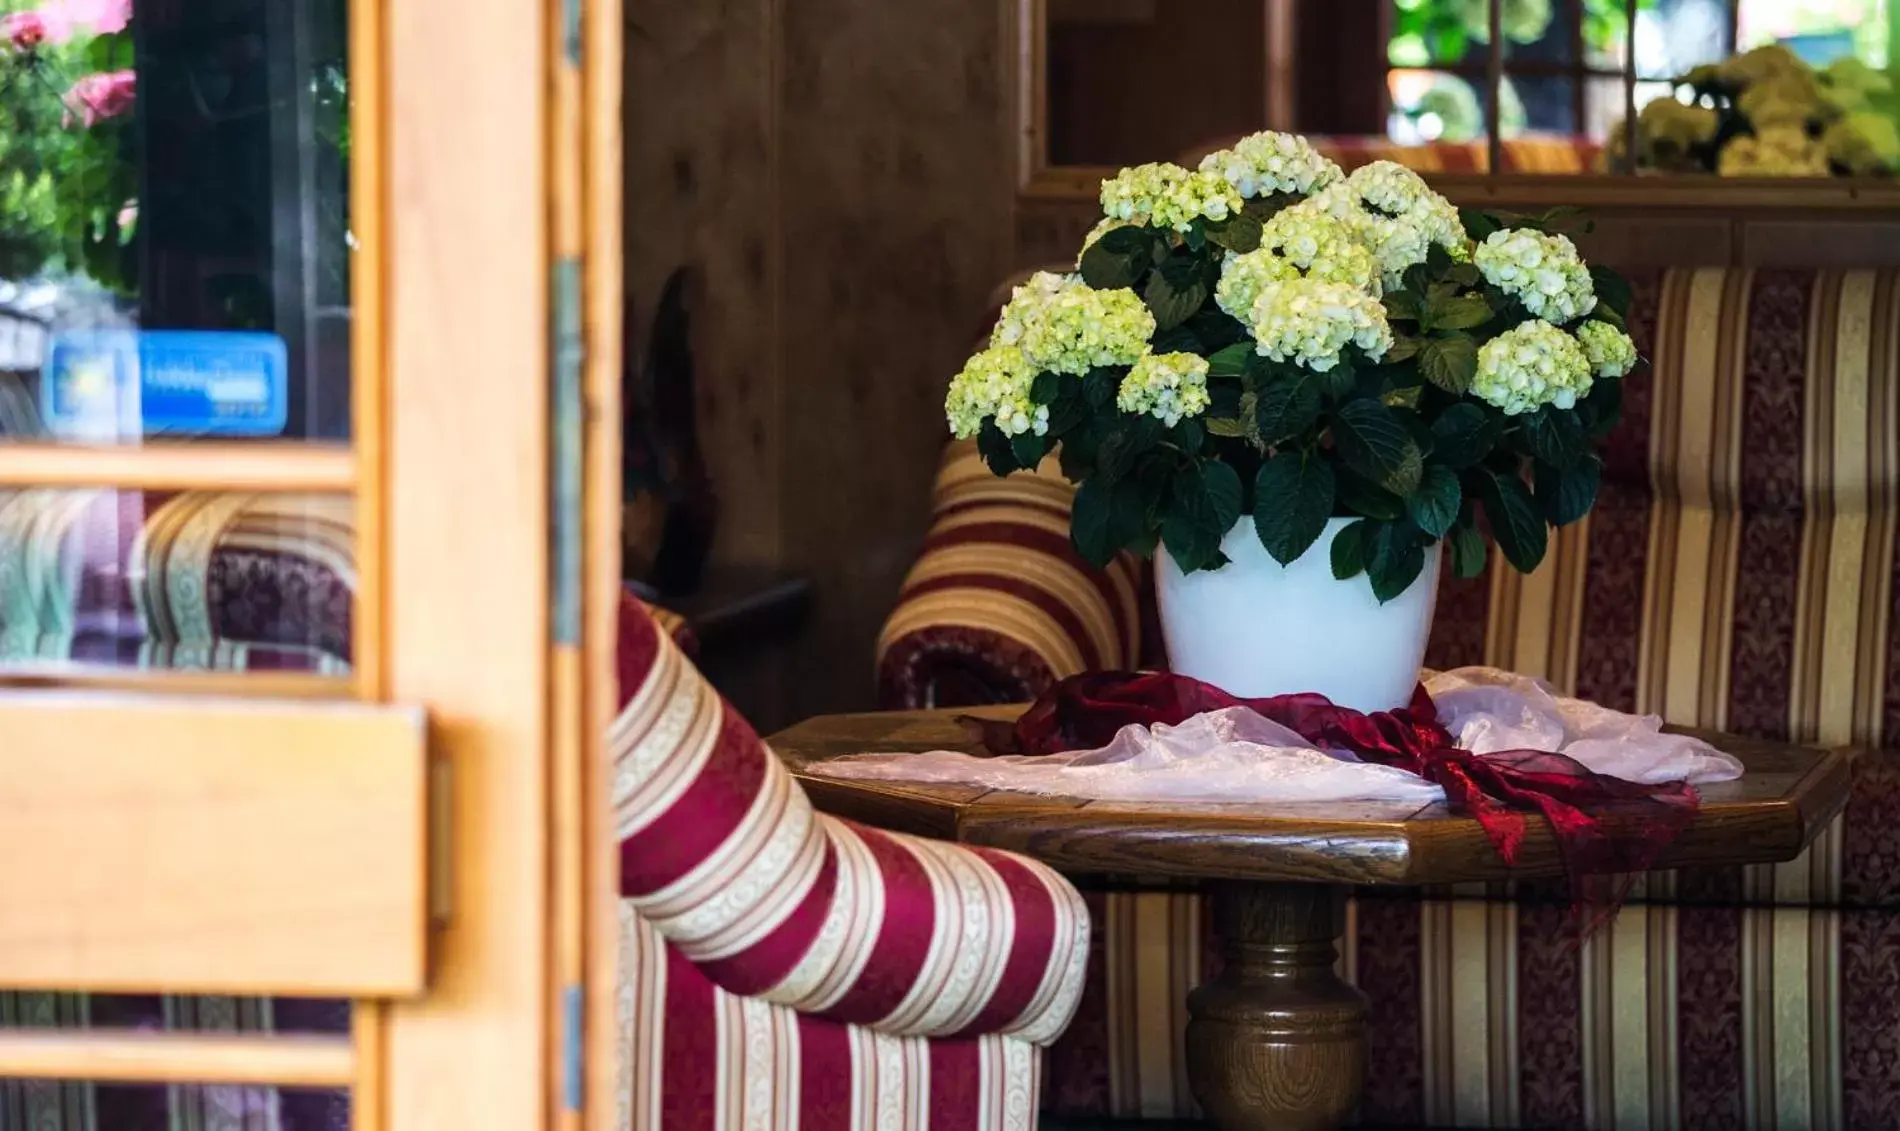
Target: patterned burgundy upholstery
782 968
1740 572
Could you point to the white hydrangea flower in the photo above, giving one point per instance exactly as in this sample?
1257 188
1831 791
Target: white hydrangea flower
1542 271
1322 247
1266 163
1610 350
1395 214
1242 275
1167 385
995 383
1066 326
1531 365
1164 195
1774 151
1309 321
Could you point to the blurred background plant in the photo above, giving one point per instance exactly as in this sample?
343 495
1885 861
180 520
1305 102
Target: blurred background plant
68 178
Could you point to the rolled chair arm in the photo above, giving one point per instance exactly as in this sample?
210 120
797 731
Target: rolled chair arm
998 605
722 853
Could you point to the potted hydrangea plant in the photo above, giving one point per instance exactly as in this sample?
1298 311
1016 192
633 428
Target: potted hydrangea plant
1297 389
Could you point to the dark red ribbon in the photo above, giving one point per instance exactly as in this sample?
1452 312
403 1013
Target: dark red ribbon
1604 826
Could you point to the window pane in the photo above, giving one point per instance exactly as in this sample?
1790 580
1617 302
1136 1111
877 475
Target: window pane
1540 31
1439 33
174 234
182 580
1437 107
1819 31
1675 35
64 1105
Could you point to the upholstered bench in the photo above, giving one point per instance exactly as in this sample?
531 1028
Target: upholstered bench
1737 573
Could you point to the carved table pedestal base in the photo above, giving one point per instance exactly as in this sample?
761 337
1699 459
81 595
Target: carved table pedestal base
1278 1041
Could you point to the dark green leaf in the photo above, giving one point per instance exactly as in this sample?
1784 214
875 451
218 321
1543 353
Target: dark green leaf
1567 494
995 449
1374 442
1029 448
1230 361
1190 544
1221 485
1339 381
1349 550
1434 506
1099 386
1264 208
1180 339
1241 233
1196 237
1603 408
1292 499
1450 363
1121 257
1403 349
1478 223
1105 520
1287 406
1463 435
1217 329
1189 435
1069 410
1394 559
1043 389
1175 291
1091 521
1468 549
1613 290
1464 274
1515 522
1356 496
1554 436
1403 306
1458 312
1116 455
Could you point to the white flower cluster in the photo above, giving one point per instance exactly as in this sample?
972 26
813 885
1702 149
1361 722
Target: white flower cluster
1244 275
1308 321
1395 214
1544 272
1167 385
1531 365
1773 151
995 383
1266 163
1321 246
1063 325
1163 195
1609 349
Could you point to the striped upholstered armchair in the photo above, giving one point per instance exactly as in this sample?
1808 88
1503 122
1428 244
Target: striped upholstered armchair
781 968
1739 572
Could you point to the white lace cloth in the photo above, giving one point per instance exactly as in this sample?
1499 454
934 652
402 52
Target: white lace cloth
1235 754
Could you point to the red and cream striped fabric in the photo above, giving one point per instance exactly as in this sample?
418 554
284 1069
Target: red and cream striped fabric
724 857
697 1058
998 605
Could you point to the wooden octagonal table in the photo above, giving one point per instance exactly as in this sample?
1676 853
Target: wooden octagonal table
1277 1040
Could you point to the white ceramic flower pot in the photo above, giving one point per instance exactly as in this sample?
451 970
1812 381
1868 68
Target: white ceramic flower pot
1255 627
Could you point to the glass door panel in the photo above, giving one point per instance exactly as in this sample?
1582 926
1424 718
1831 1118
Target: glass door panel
175 237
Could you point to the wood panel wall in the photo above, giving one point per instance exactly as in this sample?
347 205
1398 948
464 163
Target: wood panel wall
840 174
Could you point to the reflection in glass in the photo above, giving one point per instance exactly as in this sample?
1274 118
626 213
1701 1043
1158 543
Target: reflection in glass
188 580
176 165
32 1105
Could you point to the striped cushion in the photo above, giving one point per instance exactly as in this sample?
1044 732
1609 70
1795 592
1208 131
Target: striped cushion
998 597
722 853
696 1058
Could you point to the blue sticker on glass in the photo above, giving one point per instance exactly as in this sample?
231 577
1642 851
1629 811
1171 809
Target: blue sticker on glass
117 383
